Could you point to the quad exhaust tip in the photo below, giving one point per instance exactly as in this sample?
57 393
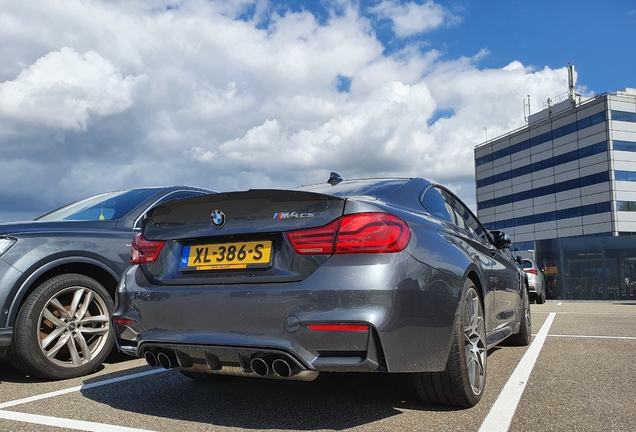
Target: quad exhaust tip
164 360
283 369
151 359
261 365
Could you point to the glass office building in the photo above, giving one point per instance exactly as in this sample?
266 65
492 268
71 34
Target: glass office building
564 188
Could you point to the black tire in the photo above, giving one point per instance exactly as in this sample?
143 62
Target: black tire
462 383
202 376
51 343
541 298
524 335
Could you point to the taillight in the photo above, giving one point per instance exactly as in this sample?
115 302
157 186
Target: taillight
314 241
144 251
355 233
533 271
372 233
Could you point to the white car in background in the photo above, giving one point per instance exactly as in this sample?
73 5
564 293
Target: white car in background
536 280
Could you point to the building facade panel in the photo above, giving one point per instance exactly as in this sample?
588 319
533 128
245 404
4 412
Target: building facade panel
570 176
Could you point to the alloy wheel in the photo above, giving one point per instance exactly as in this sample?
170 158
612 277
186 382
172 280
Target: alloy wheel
474 343
73 327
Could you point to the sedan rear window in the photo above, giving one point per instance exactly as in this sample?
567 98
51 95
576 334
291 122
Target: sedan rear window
107 206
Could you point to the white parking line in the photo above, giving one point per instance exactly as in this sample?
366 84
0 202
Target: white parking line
69 423
594 337
79 388
65 423
500 415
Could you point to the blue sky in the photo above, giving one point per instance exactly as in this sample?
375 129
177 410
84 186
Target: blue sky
596 36
237 94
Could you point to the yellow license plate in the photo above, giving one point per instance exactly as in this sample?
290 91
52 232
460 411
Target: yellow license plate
226 256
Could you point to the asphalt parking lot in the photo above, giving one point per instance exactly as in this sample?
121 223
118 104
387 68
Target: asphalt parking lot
578 374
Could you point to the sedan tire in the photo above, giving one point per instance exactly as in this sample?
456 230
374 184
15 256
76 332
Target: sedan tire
462 383
63 329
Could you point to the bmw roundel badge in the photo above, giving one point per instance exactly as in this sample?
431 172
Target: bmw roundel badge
218 218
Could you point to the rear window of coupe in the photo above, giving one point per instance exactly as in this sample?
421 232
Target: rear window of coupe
366 187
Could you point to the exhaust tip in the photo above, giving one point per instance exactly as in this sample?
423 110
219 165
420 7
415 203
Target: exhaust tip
164 361
151 359
282 368
259 366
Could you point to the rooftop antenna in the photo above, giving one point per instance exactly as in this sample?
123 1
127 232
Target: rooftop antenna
334 178
572 83
526 103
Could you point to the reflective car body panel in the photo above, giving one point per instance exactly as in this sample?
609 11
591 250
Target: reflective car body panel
405 303
47 247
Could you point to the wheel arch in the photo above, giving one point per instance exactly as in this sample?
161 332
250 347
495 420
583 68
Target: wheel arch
86 266
473 275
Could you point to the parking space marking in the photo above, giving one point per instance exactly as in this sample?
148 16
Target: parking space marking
501 413
65 423
595 337
69 423
594 313
79 388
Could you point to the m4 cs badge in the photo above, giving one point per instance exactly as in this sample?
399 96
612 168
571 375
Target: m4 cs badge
292 215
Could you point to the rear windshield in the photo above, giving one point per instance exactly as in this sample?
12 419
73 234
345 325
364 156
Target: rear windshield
107 206
526 264
366 187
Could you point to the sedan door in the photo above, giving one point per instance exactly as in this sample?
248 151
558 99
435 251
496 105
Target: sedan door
508 280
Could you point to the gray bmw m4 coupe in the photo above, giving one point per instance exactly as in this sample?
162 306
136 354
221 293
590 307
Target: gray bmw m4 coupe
369 275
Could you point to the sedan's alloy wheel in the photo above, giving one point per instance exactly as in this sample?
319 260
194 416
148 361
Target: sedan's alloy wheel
463 382
63 329
474 343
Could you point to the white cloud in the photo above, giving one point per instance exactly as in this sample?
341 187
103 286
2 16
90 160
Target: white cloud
412 18
64 88
105 95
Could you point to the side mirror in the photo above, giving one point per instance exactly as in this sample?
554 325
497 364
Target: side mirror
502 240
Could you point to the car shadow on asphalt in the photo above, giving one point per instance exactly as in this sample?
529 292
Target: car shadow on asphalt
333 401
8 373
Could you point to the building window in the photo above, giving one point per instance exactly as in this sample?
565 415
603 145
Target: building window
625 146
590 209
546 163
629 176
626 206
624 116
592 179
555 133
521 246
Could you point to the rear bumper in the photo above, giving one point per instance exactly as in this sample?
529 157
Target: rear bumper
410 319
